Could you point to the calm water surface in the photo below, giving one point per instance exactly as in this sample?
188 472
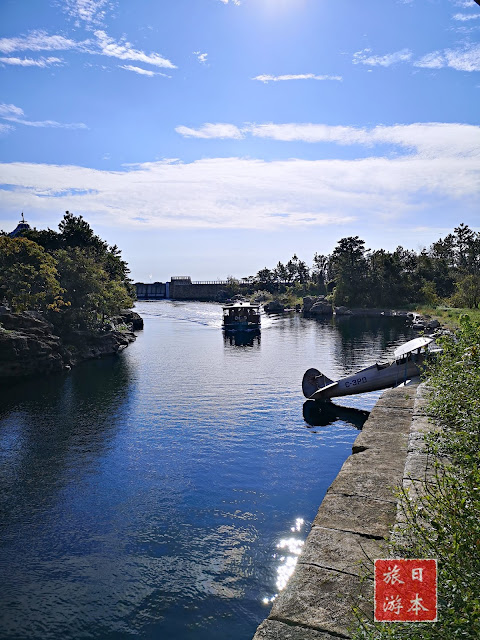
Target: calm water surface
166 493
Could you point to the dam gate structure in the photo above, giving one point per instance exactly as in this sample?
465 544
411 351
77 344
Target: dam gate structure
182 288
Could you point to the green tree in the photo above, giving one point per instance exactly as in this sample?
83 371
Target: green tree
28 276
265 279
467 292
349 267
94 278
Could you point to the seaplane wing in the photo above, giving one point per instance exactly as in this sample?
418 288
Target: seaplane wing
413 345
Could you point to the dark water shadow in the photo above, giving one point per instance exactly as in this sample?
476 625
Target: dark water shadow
241 338
322 414
52 424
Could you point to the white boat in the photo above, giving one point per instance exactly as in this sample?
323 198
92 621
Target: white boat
406 364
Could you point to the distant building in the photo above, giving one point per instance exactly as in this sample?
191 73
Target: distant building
21 227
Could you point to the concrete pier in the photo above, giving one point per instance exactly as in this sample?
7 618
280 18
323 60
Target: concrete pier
355 518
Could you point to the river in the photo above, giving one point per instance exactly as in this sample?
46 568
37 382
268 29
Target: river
165 493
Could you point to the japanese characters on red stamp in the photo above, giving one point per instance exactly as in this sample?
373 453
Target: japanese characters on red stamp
405 590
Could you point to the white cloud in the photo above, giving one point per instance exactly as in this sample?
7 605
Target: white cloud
365 57
433 60
201 57
10 110
103 45
143 72
462 59
5 128
465 3
428 139
466 59
303 76
30 62
11 113
236 2
464 17
243 193
39 41
89 11
209 130
124 51
49 123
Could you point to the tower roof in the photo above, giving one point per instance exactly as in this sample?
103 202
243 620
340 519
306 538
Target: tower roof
20 228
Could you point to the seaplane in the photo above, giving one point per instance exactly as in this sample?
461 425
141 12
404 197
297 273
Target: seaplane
406 364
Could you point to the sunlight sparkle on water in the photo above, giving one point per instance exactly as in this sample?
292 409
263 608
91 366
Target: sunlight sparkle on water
292 548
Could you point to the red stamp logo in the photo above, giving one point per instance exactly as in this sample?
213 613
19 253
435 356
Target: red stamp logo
405 590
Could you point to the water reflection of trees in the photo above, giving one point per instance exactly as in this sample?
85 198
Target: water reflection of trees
365 340
51 425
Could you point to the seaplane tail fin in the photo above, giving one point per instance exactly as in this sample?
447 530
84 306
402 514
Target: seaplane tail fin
312 381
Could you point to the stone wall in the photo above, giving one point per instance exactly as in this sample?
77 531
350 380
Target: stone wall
353 521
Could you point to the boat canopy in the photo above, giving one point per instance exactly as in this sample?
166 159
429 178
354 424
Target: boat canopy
413 345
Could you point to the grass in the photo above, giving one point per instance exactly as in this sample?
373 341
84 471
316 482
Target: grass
448 316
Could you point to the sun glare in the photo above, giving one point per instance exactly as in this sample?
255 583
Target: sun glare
282 6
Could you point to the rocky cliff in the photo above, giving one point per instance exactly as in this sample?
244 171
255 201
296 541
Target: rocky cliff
29 344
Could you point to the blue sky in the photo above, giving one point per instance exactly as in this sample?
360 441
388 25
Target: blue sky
215 137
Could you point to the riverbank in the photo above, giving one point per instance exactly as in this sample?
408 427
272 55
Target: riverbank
30 345
352 523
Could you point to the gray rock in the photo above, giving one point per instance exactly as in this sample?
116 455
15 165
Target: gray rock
309 301
29 346
274 306
321 309
132 318
343 311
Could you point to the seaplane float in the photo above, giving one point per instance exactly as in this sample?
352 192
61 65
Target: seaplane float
405 365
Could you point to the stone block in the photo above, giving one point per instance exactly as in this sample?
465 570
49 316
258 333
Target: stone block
418 466
370 474
275 630
398 398
388 441
341 551
423 424
322 599
356 514
382 419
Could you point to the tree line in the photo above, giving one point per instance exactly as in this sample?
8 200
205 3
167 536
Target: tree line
352 275
71 275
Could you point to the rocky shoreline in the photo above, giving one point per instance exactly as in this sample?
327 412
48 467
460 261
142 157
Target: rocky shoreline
30 345
319 306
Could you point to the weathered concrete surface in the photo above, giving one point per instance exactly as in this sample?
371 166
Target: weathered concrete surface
274 630
311 593
340 550
356 516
